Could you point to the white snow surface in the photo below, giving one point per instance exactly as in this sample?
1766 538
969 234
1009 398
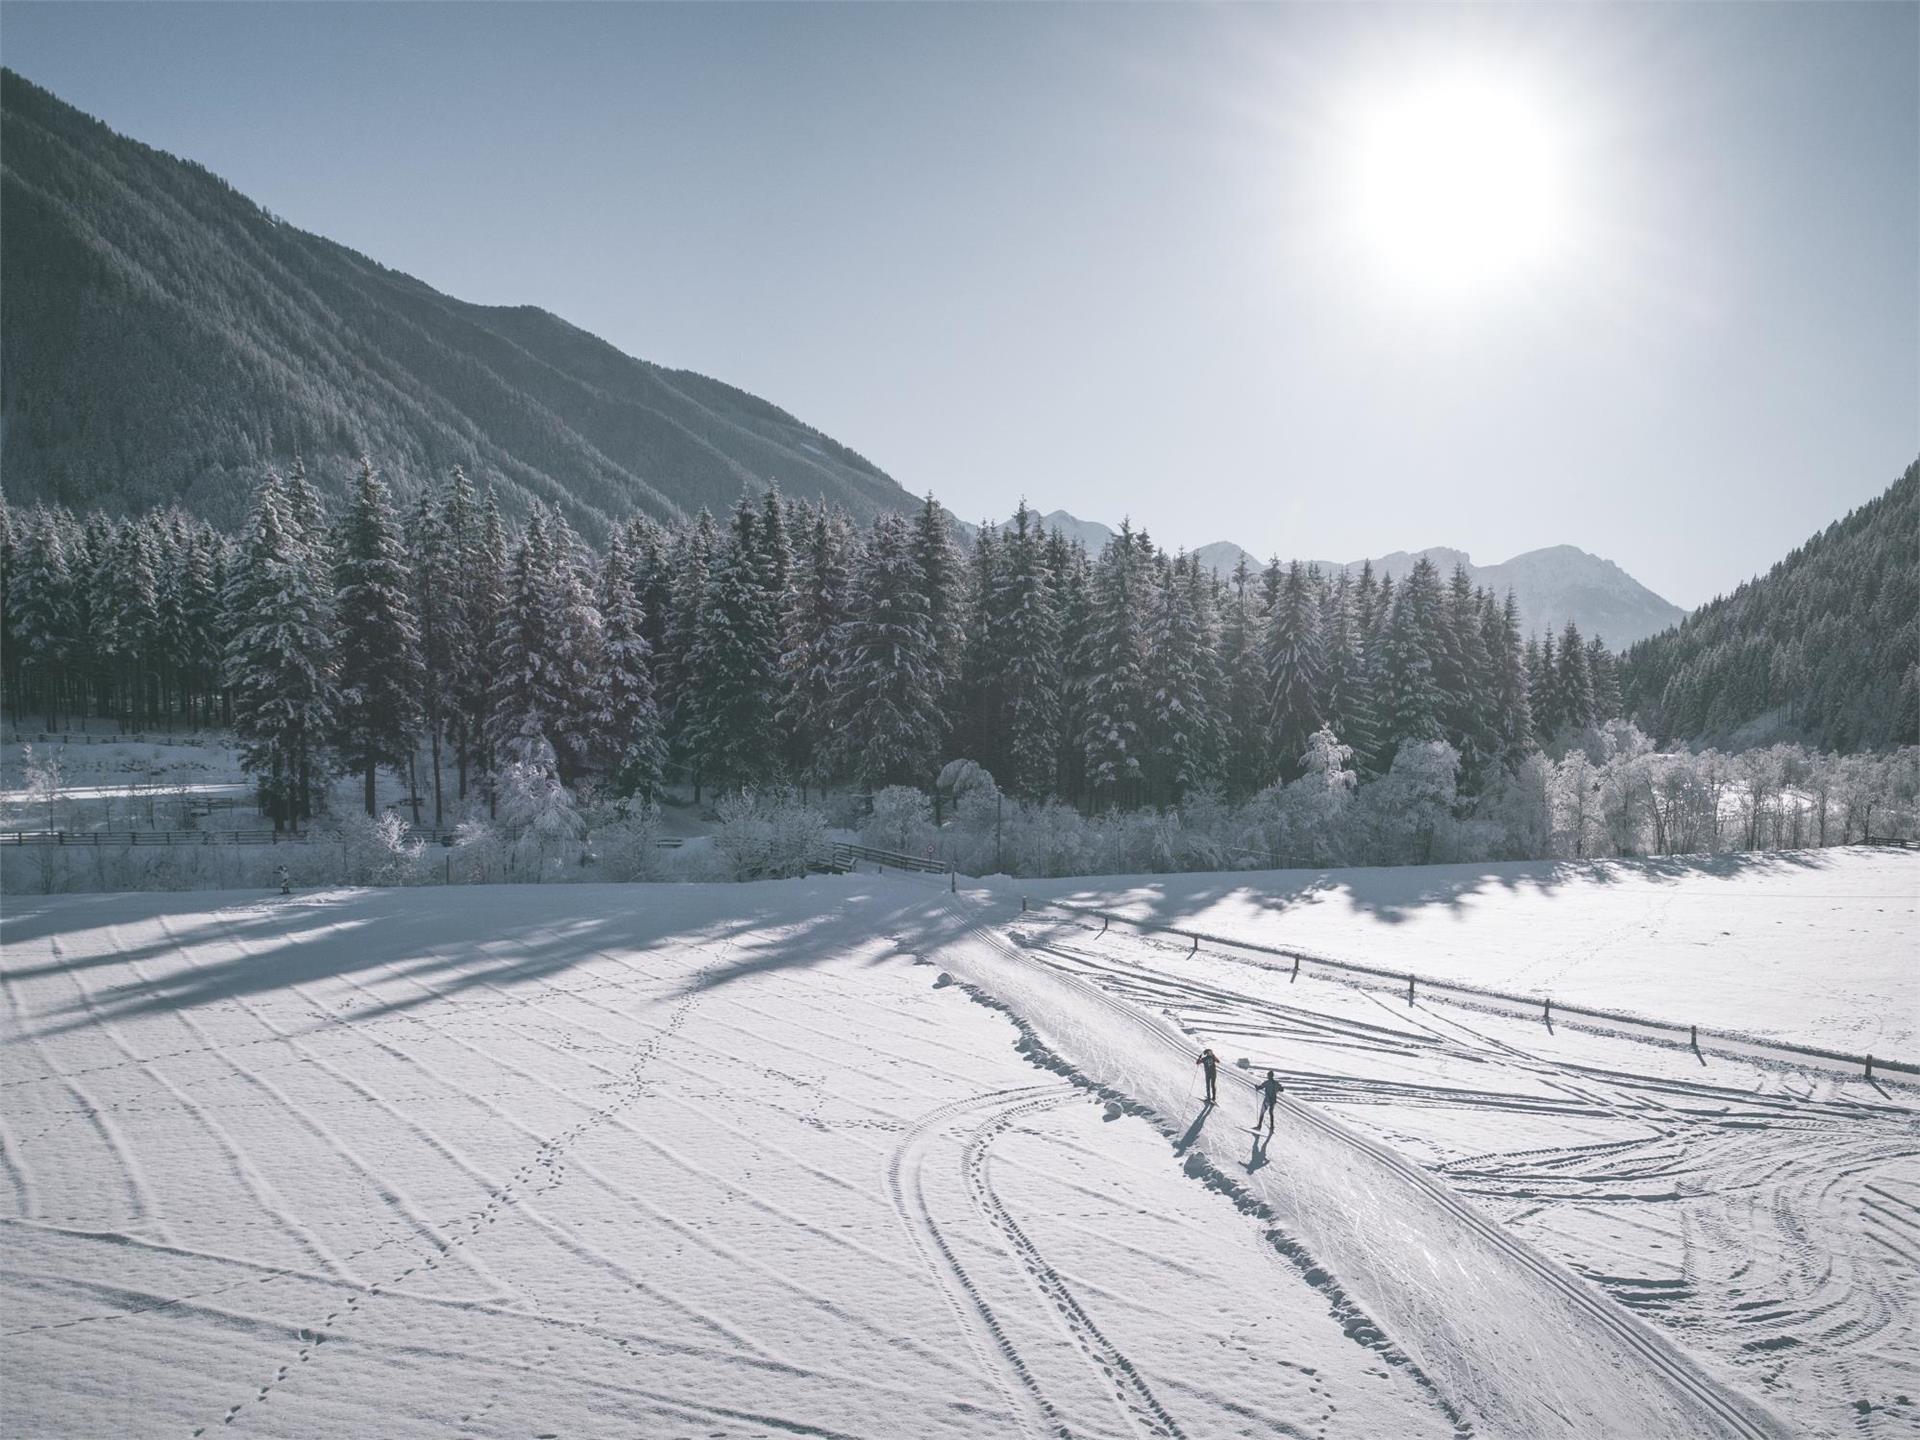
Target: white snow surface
1817 947
727 1160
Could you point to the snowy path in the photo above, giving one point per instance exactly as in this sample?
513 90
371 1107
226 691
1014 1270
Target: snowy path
1765 1217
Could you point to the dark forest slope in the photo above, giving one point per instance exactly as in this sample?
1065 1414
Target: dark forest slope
162 338
1823 647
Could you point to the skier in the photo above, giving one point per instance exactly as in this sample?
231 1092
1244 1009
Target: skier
1212 1063
286 881
1270 1089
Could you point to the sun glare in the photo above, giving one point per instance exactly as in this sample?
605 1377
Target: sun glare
1458 185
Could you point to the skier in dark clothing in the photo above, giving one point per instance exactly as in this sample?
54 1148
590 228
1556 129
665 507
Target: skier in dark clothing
1270 1089
1212 1063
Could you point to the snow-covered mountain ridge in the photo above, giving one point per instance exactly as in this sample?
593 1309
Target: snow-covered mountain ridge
1553 585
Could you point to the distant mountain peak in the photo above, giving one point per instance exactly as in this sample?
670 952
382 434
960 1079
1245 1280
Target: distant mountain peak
1553 585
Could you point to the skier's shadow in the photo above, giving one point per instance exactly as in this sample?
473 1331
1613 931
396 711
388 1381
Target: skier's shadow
1181 1145
1259 1156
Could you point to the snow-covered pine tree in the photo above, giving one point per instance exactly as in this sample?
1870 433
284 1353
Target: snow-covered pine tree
1411 705
634 746
376 717
886 682
1347 688
977 714
305 516
483 567
1605 673
1072 580
1464 671
815 613
648 564
1114 726
41 605
576 659
525 700
469 607
1183 749
732 667
277 660
1026 641
1273 580
1575 683
1295 666
692 554
1512 712
1243 703
1543 688
433 568
943 574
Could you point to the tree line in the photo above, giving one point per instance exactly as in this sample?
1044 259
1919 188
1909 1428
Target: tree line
784 645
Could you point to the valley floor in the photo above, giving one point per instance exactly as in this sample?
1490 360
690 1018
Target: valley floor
727 1160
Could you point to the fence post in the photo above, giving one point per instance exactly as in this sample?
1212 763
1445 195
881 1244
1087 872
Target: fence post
1693 1037
1103 924
1546 1010
449 867
1196 946
1023 904
1409 989
1296 970
1869 1067
953 882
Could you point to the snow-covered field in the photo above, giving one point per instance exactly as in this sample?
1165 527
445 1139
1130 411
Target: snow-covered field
1819 947
726 1160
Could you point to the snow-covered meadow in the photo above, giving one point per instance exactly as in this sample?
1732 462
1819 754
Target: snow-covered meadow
1816 947
730 1160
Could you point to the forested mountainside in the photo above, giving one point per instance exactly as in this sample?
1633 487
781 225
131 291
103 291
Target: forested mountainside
163 340
1824 647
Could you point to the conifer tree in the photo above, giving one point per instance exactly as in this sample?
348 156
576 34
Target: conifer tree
1575 683
1072 580
1543 688
886 680
377 708
630 720
1026 640
1605 675
1411 702
944 577
1296 670
693 552
277 660
978 712
1243 726
731 668
1182 678
1347 687
42 611
815 614
576 657
433 564
526 704
1464 672
1513 712
1113 734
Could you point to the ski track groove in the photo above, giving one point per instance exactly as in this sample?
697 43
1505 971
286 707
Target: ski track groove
1124 1382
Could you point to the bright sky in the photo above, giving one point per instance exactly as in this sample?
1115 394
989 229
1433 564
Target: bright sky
1324 280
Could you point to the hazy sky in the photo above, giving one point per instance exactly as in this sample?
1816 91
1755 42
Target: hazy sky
1178 263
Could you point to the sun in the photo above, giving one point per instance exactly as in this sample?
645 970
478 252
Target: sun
1458 183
